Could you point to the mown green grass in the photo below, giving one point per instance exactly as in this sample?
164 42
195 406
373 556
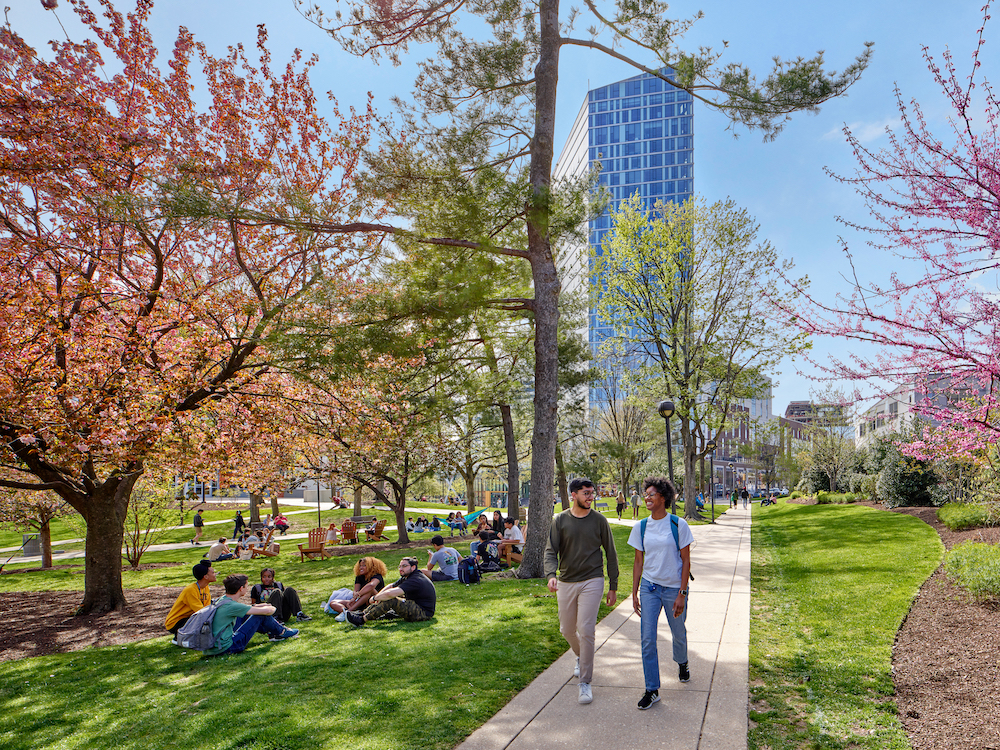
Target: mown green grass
831 586
397 686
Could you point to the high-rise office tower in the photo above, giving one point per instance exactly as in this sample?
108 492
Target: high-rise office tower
641 131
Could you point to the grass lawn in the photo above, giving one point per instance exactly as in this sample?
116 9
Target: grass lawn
392 685
831 586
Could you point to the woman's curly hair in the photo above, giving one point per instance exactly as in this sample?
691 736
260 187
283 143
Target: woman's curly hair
662 485
372 566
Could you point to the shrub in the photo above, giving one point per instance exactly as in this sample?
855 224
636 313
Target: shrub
976 567
795 495
958 516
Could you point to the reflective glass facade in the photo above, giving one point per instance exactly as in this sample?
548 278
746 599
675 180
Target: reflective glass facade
641 130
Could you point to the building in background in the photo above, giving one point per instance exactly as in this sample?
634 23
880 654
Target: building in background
640 133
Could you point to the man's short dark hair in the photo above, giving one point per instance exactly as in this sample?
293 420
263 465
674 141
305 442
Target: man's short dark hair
411 561
484 535
579 483
235 582
200 570
222 540
662 485
437 540
511 520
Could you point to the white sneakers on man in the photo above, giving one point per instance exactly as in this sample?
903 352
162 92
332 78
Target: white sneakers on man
586 695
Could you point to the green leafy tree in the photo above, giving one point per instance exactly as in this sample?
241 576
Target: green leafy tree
480 140
681 292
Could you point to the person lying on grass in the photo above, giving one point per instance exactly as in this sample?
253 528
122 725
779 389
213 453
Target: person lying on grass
413 598
369 579
284 599
194 597
235 622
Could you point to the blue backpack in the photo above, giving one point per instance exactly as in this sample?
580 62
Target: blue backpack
674 526
468 570
196 633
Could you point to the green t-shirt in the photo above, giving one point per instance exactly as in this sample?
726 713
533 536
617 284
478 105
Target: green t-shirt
575 545
222 625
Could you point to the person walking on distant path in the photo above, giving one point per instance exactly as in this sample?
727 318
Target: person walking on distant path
574 549
635 503
659 581
746 497
199 526
240 524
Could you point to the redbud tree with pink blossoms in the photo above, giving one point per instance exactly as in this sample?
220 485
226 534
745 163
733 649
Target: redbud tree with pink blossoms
934 199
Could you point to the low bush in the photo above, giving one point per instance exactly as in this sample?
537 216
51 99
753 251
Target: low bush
958 516
976 567
795 495
835 498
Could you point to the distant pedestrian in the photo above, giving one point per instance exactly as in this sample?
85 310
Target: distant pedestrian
733 499
665 566
574 549
620 504
635 503
240 524
746 497
199 526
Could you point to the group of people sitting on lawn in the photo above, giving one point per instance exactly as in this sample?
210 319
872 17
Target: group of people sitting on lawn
455 522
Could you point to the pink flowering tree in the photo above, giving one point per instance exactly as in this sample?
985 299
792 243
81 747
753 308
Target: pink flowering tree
135 287
934 201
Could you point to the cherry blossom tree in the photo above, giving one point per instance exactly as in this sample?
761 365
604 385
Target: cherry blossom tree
934 199
33 511
130 299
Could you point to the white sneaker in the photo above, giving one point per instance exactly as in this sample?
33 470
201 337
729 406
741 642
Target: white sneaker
576 669
586 695
174 642
342 617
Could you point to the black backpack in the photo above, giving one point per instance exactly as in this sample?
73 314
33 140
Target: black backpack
468 570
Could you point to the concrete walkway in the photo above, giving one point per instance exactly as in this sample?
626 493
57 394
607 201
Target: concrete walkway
707 713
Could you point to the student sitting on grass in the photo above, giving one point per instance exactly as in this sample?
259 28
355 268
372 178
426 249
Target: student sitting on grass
220 550
446 557
369 579
435 524
194 597
285 600
235 623
413 598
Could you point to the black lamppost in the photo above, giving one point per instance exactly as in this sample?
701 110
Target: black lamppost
733 470
710 447
666 409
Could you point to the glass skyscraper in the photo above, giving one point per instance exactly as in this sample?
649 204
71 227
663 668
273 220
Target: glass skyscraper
641 132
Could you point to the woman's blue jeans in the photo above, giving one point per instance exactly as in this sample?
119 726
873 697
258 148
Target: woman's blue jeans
652 598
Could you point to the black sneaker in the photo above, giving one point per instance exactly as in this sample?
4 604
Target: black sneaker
648 699
357 620
683 673
302 617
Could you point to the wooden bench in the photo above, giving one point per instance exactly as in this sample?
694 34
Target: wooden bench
315 545
600 505
376 532
362 520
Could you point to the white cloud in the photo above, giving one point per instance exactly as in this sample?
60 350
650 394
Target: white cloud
865 132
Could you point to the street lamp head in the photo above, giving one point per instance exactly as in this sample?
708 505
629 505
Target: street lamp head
711 445
731 464
593 456
666 409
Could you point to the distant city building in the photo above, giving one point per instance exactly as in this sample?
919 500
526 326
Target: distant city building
898 410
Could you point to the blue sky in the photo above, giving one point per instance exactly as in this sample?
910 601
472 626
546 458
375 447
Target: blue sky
781 183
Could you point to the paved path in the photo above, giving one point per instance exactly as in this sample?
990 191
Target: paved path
707 713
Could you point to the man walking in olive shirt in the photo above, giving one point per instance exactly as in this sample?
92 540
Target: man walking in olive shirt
574 549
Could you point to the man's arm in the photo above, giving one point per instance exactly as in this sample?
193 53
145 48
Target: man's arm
612 554
261 609
388 593
681 601
551 559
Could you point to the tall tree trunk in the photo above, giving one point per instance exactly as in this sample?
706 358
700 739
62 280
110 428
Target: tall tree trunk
357 498
468 473
545 279
255 503
513 470
561 478
45 536
274 504
105 531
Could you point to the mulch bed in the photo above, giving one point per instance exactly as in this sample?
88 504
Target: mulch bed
945 661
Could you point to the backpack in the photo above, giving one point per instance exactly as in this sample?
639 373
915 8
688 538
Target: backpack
677 538
196 633
468 570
